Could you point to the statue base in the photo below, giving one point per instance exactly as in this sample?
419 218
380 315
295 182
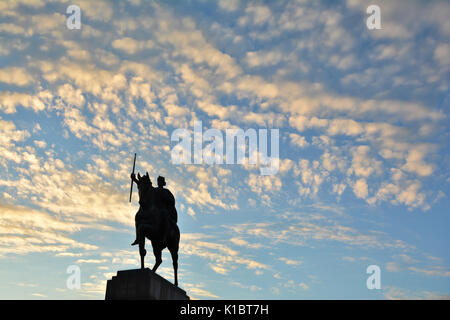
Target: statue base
142 284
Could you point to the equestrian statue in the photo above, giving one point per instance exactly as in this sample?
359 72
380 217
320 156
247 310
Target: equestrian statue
156 220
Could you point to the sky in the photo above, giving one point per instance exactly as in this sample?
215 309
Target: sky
362 116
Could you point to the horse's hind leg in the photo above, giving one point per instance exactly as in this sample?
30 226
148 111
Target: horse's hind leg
174 253
158 260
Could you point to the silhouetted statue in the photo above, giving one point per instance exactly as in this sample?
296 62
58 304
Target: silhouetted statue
156 220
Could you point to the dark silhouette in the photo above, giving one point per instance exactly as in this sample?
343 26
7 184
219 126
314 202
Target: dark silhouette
131 186
156 220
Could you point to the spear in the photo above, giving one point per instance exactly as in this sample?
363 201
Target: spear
131 187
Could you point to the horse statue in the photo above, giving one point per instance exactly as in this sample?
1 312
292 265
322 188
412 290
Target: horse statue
156 221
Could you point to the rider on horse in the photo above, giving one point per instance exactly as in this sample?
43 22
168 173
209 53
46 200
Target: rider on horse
154 199
156 220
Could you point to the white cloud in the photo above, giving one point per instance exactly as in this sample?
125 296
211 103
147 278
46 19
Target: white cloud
360 188
290 261
131 46
16 76
27 230
263 59
415 163
298 140
395 293
229 5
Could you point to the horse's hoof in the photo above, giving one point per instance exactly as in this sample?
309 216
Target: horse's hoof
135 243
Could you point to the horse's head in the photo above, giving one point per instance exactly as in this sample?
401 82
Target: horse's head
144 185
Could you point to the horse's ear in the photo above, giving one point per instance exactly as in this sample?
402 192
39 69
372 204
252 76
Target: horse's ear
139 176
147 173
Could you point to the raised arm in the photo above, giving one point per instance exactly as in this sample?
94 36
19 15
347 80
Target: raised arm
133 177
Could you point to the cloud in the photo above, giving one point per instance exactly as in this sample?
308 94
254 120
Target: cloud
10 135
312 105
131 46
263 59
98 11
415 163
24 230
392 267
244 243
303 285
94 261
16 76
307 230
15 29
290 261
360 189
45 24
436 271
252 288
298 140
38 102
229 5
395 293
362 164
40 143
199 291
223 259
442 54
264 184
349 259
256 15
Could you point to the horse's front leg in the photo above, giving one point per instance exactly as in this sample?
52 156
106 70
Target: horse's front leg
157 251
142 250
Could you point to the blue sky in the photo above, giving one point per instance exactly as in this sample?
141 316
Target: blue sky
364 140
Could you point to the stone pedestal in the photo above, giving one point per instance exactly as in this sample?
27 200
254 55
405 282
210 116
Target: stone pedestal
142 284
